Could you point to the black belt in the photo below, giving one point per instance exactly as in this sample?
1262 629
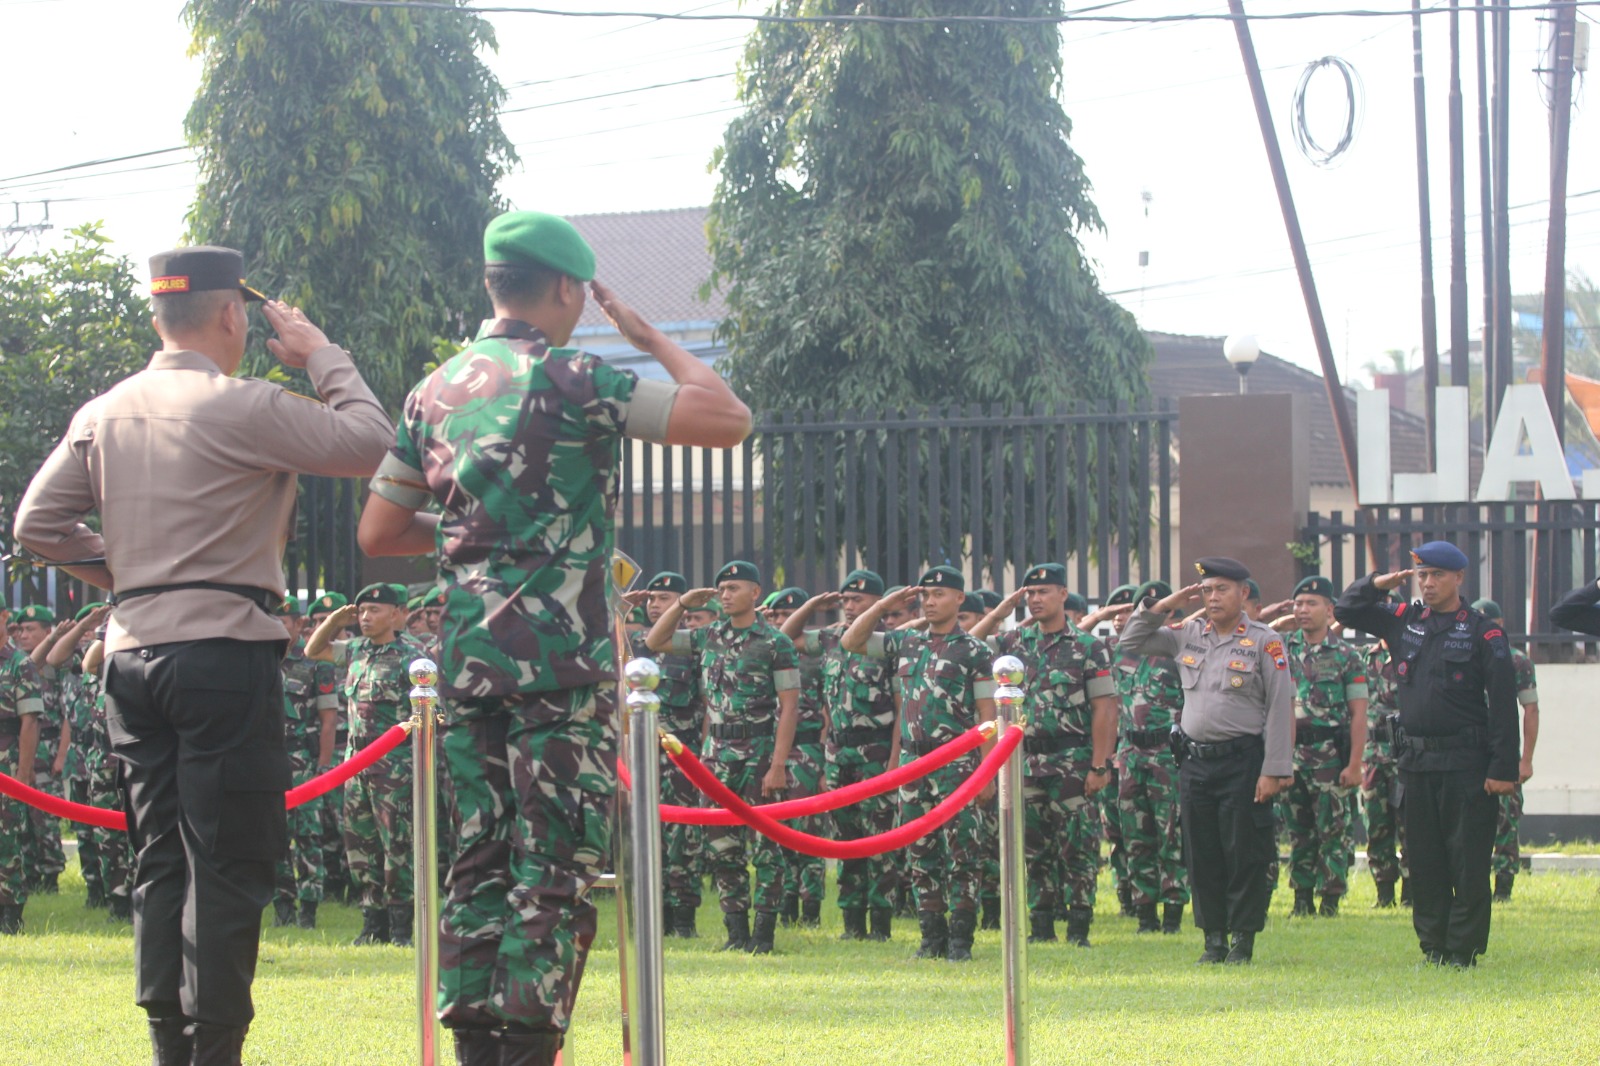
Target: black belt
1060 742
1382 732
262 598
49 732
1149 738
1470 738
920 748
741 731
1222 749
808 734
1306 733
10 727
862 736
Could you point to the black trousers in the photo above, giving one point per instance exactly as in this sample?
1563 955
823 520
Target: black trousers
199 730
1228 841
1449 822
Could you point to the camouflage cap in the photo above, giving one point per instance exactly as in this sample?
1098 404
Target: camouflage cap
329 602
1316 585
289 608
866 582
533 238
34 612
668 581
738 570
1046 574
944 577
87 609
384 593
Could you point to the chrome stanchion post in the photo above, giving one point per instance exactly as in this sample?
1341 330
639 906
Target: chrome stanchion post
644 746
1008 700
425 842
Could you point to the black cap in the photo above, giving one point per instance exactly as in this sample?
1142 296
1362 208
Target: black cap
382 593
203 268
1488 608
1316 585
1077 603
668 581
1222 566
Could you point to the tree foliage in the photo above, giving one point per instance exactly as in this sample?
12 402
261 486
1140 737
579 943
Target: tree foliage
351 153
898 213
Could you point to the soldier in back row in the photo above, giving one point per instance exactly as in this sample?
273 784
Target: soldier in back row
310 719
42 855
804 876
21 704
1507 850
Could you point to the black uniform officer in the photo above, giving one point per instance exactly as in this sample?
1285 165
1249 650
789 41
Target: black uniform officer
1579 609
1457 742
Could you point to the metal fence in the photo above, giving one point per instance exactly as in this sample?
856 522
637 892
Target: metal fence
323 553
1525 555
989 490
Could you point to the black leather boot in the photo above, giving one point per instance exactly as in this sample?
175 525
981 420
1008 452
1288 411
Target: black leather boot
527 1047
855 924
1405 892
96 897
1385 895
1216 947
401 919
1244 948
1172 918
1502 887
1042 927
1304 904
882 923
308 914
1125 900
1330 906
738 925
935 935
119 909
217 1045
905 903
1147 918
10 918
48 885
170 1042
683 921
810 913
374 927
282 913
962 924
667 928
475 1047
790 912
1078 921
991 914
761 936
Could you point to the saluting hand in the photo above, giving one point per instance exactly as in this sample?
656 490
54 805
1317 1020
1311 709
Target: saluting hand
634 329
1178 600
636 598
297 337
1390 582
695 599
827 601
344 615
896 600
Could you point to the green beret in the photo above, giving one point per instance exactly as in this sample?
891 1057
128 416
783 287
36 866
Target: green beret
668 581
532 238
866 582
329 602
1121 594
1252 588
787 599
415 603
971 604
1046 574
711 607
289 608
1316 585
738 570
1488 608
1159 589
1077 603
639 616
1222 566
84 611
434 598
384 593
892 590
35 612
989 598
944 577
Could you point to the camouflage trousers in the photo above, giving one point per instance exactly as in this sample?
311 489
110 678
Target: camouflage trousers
1386 830
1050 805
536 779
681 845
377 830
1081 873
1507 850
947 864
806 875
1318 814
1111 826
732 849
873 881
106 855
331 816
300 874
1152 834
989 835
42 854
13 830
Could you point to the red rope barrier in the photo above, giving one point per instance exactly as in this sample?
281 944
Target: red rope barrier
939 758
821 847
109 819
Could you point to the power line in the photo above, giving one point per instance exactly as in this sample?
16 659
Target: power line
96 163
616 92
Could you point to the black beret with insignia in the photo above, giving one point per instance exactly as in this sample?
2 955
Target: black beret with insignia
944 577
382 593
668 581
738 570
865 582
1222 566
1316 585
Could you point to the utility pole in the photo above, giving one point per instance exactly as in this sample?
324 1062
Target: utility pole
1500 133
1459 374
1491 382
1430 310
18 231
1553 360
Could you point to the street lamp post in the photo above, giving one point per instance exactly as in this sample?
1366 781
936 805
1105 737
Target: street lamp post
1242 350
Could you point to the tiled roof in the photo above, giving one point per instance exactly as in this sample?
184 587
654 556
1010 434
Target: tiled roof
655 260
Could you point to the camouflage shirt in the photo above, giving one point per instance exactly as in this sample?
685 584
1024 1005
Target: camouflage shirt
812 708
1151 692
76 713
519 443
941 678
741 670
1327 677
20 691
855 688
1381 678
308 692
682 710
377 685
1062 672
1527 686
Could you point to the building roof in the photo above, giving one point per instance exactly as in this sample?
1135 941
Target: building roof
656 261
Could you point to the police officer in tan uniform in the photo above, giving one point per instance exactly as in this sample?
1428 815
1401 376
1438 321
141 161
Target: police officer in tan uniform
192 472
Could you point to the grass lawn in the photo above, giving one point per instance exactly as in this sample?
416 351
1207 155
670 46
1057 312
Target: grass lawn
1352 989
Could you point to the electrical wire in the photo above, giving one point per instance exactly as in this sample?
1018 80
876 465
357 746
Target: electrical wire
1304 139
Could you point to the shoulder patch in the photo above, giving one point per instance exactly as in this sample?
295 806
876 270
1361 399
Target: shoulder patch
1274 649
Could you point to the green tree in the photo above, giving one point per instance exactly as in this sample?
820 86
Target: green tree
351 153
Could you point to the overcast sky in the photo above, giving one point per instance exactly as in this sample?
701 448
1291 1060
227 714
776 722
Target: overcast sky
624 114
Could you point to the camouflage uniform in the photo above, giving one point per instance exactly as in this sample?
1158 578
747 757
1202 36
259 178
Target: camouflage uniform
1380 779
79 714
20 696
111 848
683 714
742 671
43 858
1507 851
330 679
527 669
301 873
1327 677
1151 691
378 801
804 876
1064 671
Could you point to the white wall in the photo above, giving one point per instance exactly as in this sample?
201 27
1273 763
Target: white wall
1566 761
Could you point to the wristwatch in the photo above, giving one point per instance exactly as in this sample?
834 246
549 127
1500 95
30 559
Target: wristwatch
1099 769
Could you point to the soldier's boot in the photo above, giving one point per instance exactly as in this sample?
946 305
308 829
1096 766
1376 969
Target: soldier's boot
170 1043
374 927
991 913
935 935
791 909
738 925
855 924
1042 927
527 1047
1078 922
683 921
119 909
282 913
1147 919
962 924
810 913
1172 918
308 914
1304 903
96 897
1405 892
475 1047
1330 905
1244 948
882 921
1502 886
10 918
48 885
401 918
761 936
217 1045
666 920
1385 895
1125 899
1216 948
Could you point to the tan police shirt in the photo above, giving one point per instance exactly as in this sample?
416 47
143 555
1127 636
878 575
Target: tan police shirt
193 474
1234 684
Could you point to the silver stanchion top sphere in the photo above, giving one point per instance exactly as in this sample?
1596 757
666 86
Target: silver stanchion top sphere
642 674
642 699
424 673
1008 670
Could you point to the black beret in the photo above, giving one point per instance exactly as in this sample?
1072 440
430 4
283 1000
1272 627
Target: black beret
668 581
1488 608
971 604
383 593
1159 589
944 577
989 598
1222 566
1316 585
1077 603
788 599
